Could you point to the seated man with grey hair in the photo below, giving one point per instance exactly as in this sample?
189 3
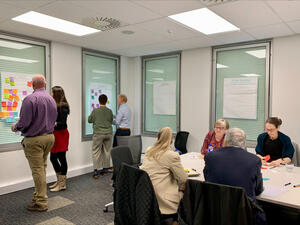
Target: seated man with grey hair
233 165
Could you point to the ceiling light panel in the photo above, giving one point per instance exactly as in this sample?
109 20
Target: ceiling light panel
204 21
53 23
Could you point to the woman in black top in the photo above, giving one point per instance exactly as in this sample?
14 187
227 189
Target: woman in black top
61 144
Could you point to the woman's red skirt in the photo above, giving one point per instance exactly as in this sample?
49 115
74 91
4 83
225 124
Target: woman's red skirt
61 143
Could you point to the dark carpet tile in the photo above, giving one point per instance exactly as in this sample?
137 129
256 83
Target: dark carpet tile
89 198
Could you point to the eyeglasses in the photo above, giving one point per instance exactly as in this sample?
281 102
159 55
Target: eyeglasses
220 128
270 130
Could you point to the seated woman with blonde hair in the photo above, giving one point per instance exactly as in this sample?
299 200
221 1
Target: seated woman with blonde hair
166 173
215 138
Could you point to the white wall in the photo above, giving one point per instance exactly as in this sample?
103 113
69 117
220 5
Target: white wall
286 83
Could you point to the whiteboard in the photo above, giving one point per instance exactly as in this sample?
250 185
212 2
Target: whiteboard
240 98
164 97
14 88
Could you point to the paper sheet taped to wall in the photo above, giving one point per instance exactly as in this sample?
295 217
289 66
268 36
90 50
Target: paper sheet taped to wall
164 97
240 98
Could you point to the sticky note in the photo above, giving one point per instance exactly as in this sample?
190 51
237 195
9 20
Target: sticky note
11 79
4 108
15 114
7 80
93 97
266 179
11 98
107 102
96 94
17 98
100 91
10 120
6 91
9 108
97 105
29 84
1 114
9 103
14 108
3 104
6 96
24 93
4 114
10 91
15 91
15 104
11 114
92 91
12 83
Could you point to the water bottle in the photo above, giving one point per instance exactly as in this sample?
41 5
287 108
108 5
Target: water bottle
210 148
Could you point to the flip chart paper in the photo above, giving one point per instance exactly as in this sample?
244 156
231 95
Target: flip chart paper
164 97
240 98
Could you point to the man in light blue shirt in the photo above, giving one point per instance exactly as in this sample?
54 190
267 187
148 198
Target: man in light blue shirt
123 119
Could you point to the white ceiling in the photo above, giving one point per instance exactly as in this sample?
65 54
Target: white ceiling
154 32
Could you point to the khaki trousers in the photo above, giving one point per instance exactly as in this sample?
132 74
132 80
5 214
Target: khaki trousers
36 150
102 144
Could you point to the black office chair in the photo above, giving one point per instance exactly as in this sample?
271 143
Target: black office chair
135 199
210 204
181 140
135 145
119 155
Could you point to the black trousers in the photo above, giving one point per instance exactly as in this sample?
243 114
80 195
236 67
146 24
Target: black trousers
120 132
59 162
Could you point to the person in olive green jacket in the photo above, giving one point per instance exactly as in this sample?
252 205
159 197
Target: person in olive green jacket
102 119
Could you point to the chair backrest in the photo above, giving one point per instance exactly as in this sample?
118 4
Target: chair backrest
119 155
135 201
135 145
296 157
181 140
210 204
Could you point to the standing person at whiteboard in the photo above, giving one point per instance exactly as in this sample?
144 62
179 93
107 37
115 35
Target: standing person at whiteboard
37 120
123 118
61 144
102 119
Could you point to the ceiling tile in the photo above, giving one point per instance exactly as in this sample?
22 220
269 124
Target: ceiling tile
29 4
287 10
122 10
245 14
169 28
169 7
295 26
232 37
270 31
8 11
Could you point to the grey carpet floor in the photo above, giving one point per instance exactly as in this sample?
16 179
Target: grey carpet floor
82 203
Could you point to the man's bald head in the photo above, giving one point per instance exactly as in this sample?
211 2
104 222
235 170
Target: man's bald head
38 81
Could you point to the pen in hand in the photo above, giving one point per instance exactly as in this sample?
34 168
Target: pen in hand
289 183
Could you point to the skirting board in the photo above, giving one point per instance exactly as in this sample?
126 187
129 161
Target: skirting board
50 178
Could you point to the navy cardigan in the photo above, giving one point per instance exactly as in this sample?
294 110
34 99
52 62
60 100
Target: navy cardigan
288 148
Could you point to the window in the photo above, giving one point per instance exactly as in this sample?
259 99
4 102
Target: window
161 91
100 76
20 59
241 87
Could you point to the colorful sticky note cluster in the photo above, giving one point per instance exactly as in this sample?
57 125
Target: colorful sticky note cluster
29 83
4 114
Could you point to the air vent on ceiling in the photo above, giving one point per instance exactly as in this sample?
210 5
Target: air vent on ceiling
102 23
216 2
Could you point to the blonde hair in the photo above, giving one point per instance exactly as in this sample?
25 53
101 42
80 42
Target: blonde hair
164 140
123 98
223 123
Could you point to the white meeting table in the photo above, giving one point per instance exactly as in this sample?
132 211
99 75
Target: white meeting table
274 178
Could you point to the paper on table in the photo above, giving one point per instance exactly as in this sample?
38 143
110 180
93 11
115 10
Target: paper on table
240 98
273 191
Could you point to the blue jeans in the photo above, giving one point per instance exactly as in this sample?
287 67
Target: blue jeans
120 132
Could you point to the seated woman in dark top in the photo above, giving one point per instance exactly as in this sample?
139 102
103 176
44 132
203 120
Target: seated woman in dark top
274 143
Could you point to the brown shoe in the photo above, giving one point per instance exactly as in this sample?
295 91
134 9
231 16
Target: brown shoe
36 207
110 170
